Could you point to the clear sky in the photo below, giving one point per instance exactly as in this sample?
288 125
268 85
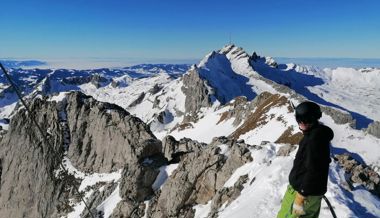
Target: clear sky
182 30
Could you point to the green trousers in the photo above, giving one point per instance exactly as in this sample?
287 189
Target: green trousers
312 205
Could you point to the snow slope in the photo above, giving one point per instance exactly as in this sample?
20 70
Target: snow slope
271 172
354 90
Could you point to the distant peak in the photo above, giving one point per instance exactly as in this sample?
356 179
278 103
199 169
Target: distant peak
227 48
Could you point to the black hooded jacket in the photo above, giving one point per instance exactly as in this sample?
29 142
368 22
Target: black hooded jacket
311 166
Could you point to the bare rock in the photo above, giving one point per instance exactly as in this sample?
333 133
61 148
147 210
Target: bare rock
138 100
198 178
339 116
29 187
136 182
285 150
97 197
374 129
197 94
115 83
359 173
173 149
227 194
128 209
155 89
104 136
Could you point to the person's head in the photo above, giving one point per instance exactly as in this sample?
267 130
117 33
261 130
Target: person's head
307 114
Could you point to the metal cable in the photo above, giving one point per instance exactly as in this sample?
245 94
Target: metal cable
66 172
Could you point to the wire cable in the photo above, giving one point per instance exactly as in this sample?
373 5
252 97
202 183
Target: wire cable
19 95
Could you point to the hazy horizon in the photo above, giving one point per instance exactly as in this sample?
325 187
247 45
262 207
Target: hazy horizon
92 63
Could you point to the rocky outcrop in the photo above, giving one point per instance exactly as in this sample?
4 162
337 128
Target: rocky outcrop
374 129
138 100
76 80
137 180
114 83
98 137
199 176
173 149
339 116
97 198
285 150
197 94
359 173
155 89
104 136
97 80
28 184
239 110
128 209
258 117
226 195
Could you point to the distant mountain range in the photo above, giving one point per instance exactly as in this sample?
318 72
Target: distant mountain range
213 139
24 63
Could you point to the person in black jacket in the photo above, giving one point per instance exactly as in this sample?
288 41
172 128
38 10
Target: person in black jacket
309 175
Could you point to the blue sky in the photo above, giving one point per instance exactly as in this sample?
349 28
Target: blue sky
183 30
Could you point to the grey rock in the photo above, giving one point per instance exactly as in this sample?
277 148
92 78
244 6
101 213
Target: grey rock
254 57
98 137
138 100
227 194
285 150
173 149
128 209
359 173
197 179
28 184
76 80
136 182
97 197
239 111
374 129
155 89
104 136
339 116
197 94
156 103
115 83
97 80
161 117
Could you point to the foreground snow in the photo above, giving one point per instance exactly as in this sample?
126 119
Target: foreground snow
268 180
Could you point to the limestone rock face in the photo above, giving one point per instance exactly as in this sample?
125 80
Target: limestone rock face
285 150
104 136
98 137
97 198
228 195
197 179
28 187
137 180
338 116
173 149
374 129
197 94
359 173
